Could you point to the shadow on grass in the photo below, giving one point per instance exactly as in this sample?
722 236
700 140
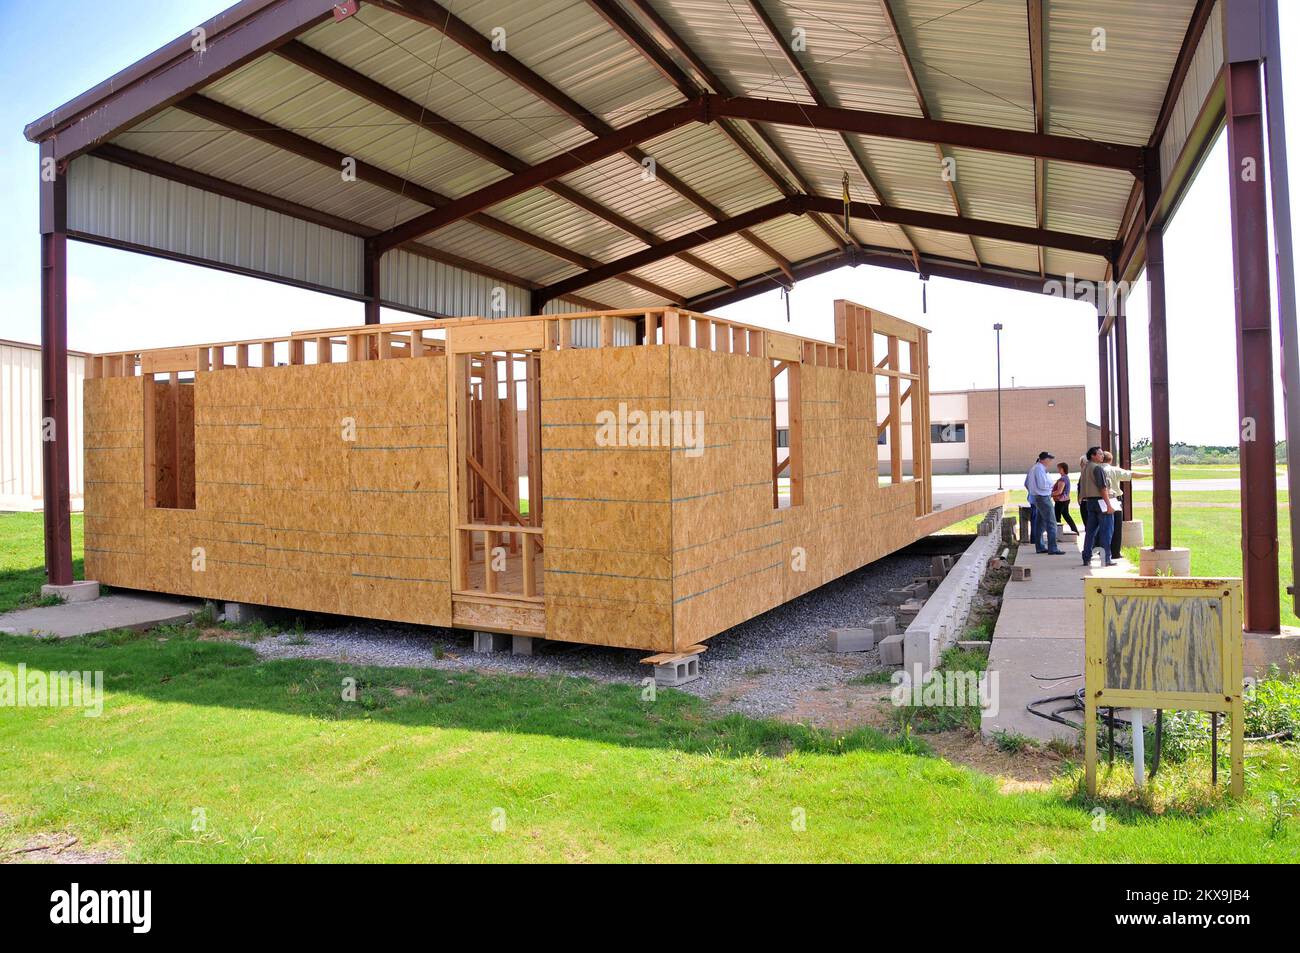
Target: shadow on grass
172 665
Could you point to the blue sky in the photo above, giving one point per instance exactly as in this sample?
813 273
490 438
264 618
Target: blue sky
119 300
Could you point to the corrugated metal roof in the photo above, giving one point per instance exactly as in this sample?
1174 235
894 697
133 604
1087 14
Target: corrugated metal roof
971 62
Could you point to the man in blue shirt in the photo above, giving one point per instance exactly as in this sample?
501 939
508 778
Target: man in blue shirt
1042 516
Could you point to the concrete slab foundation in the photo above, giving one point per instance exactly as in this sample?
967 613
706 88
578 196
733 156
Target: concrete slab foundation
117 610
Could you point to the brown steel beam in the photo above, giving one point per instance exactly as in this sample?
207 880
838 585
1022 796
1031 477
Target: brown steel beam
691 239
782 40
231 39
370 283
435 15
961 225
271 134
864 122
657 56
934 266
1251 259
801 204
55 441
570 160
1103 377
344 77
915 83
1158 357
715 82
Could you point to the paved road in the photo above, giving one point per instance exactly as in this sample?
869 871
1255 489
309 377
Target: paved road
1015 482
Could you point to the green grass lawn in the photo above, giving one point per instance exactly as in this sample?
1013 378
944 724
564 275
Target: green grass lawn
22 556
1206 471
1213 533
423 762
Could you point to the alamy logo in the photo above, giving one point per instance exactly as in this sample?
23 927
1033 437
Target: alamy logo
655 428
37 689
134 907
936 689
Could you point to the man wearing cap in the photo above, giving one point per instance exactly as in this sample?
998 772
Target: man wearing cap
1042 516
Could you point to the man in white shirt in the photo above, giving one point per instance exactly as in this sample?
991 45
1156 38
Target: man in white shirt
1042 516
1117 476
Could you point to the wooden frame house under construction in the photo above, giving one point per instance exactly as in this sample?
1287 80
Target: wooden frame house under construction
372 470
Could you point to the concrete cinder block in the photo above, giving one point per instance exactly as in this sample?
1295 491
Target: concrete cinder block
908 610
891 649
939 566
486 643
896 597
883 626
521 645
85 590
1021 573
974 645
852 640
671 674
245 613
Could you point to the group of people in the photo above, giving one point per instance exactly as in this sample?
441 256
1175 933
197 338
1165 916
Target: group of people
1099 503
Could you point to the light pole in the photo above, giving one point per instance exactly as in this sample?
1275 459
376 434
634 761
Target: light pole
997 333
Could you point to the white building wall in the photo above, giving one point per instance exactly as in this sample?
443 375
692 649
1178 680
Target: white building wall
945 408
21 486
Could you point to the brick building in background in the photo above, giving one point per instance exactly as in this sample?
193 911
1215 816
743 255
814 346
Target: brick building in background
964 428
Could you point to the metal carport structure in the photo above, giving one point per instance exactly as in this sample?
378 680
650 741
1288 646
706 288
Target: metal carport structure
510 158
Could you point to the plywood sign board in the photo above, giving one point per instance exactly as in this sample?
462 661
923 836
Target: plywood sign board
1164 643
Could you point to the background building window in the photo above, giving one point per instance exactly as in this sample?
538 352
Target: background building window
947 433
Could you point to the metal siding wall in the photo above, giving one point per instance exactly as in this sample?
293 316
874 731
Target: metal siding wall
121 204
1196 87
20 425
416 282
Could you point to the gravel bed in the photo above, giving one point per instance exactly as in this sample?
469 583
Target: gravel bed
759 667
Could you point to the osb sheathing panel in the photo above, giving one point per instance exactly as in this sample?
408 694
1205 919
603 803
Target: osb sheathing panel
608 538
320 487
115 546
734 554
727 549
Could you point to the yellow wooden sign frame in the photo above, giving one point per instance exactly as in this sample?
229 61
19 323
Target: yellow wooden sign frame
1227 693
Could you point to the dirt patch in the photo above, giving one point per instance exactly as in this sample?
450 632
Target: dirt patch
52 848
843 708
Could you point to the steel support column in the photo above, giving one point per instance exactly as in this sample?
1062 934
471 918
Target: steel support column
370 280
1120 328
1257 439
1103 372
54 368
1280 190
1158 356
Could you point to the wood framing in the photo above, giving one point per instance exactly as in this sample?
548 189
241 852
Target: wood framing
603 477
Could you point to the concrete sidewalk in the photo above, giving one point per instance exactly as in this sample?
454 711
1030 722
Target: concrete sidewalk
1040 633
118 610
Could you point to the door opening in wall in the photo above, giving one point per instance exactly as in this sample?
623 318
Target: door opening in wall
169 440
